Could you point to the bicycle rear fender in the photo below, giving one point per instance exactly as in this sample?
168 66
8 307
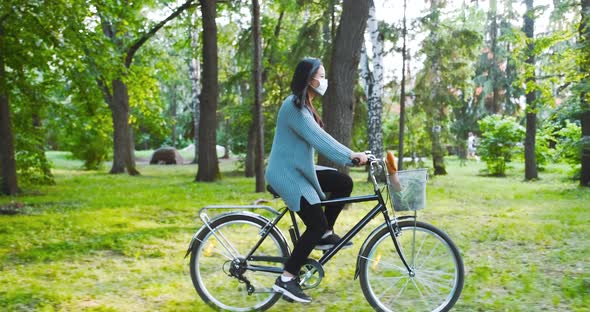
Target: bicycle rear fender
223 215
369 238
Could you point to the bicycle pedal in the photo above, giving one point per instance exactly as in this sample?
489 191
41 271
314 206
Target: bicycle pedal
288 299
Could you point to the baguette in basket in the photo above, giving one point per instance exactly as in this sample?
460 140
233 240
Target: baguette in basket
392 170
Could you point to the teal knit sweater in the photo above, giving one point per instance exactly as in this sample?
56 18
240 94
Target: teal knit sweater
290 169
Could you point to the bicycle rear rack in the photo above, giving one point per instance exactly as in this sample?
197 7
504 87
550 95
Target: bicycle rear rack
205 218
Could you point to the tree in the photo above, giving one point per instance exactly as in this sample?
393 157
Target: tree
338 105
29 57
208 163
116 23
8 181
194 74
374 84
584 31
530 165
257 77
402 96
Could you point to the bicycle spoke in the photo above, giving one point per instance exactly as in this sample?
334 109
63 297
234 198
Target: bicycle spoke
434 281
416 254
433 290
430 254
417 288
386 265
227 245
401 291
390 286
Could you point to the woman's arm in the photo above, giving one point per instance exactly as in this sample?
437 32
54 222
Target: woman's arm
301 121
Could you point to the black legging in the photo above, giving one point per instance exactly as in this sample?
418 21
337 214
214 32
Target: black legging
316 221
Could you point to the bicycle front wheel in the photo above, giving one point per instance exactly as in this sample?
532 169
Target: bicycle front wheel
437 278
228 241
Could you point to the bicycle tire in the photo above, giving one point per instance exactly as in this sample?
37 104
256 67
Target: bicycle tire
209 273
388 286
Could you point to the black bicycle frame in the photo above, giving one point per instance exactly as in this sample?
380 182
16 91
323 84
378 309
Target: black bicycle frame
380 207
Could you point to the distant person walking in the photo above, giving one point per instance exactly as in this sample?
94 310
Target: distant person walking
471 146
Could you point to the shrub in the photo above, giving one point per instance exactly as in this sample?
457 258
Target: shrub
568 147
91 143
501 138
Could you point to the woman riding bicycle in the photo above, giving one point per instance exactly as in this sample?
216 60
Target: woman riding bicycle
292 175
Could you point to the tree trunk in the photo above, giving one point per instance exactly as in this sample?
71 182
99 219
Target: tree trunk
584 31
249 162
123 147
438 153
8 181
257 77
493 70
374 104
530 162
402 97
194 74
208 163
173 108
338 103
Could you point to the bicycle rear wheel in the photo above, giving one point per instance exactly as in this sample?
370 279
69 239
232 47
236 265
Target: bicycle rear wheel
228 242
438 270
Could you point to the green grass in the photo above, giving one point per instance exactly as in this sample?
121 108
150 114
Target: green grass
101 242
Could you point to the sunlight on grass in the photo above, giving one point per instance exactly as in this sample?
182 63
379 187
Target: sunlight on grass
100 242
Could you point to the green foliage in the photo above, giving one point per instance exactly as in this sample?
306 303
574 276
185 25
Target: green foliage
31 164
568 146
501 139
417 139
543 151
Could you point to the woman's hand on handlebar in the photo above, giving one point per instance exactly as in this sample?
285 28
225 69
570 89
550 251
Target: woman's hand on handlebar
358 158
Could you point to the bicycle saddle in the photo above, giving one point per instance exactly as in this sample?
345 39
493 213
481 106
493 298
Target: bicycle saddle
272 191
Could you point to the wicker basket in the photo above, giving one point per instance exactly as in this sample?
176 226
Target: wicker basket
407 189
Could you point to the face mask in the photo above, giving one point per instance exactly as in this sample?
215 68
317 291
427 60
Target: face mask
321 89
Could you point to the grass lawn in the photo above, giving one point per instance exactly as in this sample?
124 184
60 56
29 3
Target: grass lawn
101 242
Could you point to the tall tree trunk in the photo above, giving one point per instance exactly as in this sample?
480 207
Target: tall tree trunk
195 75
402 97
123 148
366 77
123 145
584 32
338 103
493 70
438 153
250 152
8 181
208 163
257 77
249 168
173 108
530 162
367 80
374 104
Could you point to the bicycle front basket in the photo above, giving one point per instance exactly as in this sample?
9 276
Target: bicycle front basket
407 189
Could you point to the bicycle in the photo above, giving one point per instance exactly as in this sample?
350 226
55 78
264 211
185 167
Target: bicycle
236 256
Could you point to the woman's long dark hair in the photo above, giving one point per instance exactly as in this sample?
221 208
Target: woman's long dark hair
304 72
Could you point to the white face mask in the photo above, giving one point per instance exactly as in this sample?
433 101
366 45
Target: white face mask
321 89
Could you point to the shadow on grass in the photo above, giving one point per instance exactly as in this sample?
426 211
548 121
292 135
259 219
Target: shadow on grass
120 242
